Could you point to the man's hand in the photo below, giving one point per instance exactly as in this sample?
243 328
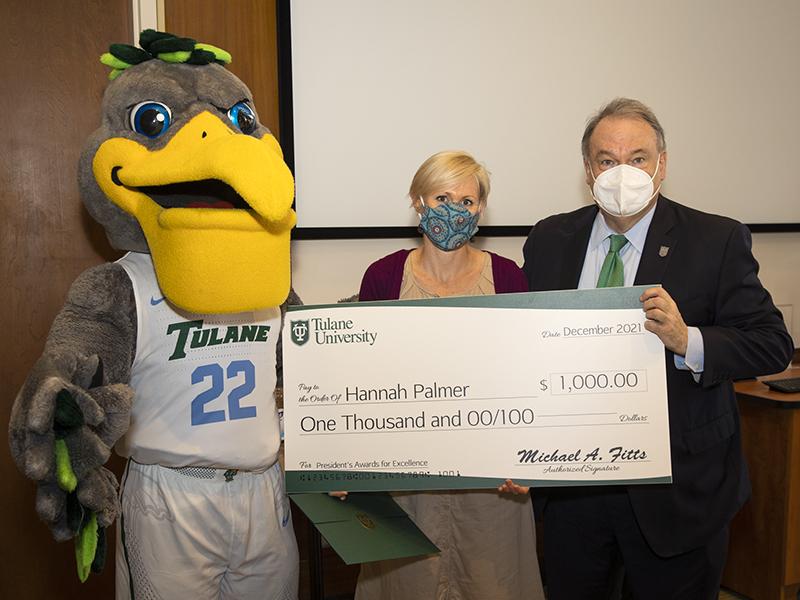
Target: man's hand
664 319
509 487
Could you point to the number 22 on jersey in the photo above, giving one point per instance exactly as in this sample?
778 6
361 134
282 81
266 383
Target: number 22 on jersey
218 377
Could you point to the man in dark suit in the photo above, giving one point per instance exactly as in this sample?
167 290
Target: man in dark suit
717 323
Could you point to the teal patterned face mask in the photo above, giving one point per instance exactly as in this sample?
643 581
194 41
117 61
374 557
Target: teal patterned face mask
449 225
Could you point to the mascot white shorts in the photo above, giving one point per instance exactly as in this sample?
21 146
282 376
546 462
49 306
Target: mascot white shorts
205 534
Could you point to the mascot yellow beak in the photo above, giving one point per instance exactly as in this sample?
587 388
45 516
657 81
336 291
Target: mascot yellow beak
223 255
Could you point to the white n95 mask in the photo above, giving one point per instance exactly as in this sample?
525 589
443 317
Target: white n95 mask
624 191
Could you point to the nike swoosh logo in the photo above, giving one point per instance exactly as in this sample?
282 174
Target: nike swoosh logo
156 302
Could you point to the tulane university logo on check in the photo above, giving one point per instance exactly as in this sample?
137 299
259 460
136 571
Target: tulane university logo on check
325 331
299 332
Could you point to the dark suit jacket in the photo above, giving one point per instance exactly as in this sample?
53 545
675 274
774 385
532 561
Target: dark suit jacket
711 274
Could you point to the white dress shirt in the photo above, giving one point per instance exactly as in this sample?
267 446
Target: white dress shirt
631 254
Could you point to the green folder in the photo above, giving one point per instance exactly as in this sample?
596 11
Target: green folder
365 527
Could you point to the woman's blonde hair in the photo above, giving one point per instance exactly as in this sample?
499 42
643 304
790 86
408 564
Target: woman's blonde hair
446 168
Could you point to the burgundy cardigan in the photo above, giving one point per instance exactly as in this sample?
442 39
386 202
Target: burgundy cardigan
383 277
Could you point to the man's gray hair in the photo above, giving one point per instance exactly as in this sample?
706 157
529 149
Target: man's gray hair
625 108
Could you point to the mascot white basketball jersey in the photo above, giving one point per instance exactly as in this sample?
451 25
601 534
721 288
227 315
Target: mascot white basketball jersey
204 383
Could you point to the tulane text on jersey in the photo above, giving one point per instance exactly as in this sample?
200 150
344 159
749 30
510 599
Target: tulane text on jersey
213 336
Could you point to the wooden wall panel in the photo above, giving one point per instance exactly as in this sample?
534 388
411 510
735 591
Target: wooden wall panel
245 28
52 85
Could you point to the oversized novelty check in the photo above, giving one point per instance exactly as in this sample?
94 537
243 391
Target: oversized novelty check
548 388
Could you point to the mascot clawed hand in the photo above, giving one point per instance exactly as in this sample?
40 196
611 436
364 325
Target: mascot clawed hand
170 352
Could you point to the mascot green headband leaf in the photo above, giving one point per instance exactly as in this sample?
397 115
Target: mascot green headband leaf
162 46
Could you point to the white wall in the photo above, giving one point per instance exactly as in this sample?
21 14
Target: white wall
379 86
779 257
325 271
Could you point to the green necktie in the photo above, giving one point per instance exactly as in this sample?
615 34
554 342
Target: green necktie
612 273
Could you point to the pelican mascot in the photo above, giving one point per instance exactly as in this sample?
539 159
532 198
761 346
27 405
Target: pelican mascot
170 352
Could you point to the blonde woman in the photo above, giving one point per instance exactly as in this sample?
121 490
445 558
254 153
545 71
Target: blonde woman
487 538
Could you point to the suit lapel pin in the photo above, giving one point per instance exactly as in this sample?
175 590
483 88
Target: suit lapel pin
663 251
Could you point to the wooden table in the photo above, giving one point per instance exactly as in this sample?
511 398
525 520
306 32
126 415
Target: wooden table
764 555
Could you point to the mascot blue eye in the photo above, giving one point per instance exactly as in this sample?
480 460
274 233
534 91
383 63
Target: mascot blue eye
150 118
243 117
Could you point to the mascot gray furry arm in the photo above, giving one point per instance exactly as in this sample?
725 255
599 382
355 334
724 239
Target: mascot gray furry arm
181 170
67 399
